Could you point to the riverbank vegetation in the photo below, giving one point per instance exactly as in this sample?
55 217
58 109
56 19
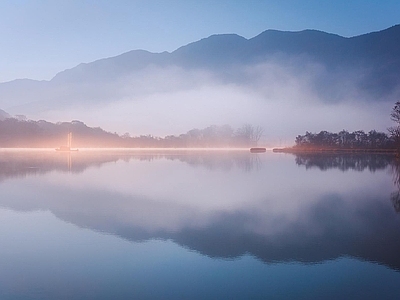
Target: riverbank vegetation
15 133
345 140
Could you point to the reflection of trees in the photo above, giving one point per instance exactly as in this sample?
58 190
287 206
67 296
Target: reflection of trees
395 196
331 227
220 160
344 162
358 162
24 163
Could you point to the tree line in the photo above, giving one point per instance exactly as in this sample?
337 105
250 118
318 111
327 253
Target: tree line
345 140
354 140
27 133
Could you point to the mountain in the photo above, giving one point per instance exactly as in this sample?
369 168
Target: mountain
277 66
111 68
378 50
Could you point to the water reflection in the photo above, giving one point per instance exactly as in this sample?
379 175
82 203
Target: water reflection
22 163
220 160
344 162
238 204
357 162
395 196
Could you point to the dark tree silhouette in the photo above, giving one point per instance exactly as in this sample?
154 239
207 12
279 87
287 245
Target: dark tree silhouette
395 130
395 198
344 140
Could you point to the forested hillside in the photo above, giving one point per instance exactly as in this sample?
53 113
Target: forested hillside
20 133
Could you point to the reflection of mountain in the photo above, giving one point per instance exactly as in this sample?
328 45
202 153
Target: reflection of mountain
332 225
373 236
332 229
344 162
357 162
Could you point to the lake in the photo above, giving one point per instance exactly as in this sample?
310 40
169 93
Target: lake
198 225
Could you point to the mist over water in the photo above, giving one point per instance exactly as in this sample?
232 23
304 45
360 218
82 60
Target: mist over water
285 82
286 99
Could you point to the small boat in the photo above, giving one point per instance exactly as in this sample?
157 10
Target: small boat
68 147
258 150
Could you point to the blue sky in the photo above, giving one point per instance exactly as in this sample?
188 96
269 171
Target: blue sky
41 38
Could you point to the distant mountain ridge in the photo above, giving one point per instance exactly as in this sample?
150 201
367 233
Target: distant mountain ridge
371 61
225 49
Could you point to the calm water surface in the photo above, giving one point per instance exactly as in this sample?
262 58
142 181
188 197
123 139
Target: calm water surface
198 225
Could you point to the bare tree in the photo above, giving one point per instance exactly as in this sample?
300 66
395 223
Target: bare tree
395 130
249 135
258 133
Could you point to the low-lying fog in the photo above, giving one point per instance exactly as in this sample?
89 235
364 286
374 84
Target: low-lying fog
284 99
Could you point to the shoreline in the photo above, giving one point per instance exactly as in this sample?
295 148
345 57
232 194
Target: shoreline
333 150
124 149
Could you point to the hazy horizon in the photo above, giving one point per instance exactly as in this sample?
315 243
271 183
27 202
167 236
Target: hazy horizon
286 96
282 99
